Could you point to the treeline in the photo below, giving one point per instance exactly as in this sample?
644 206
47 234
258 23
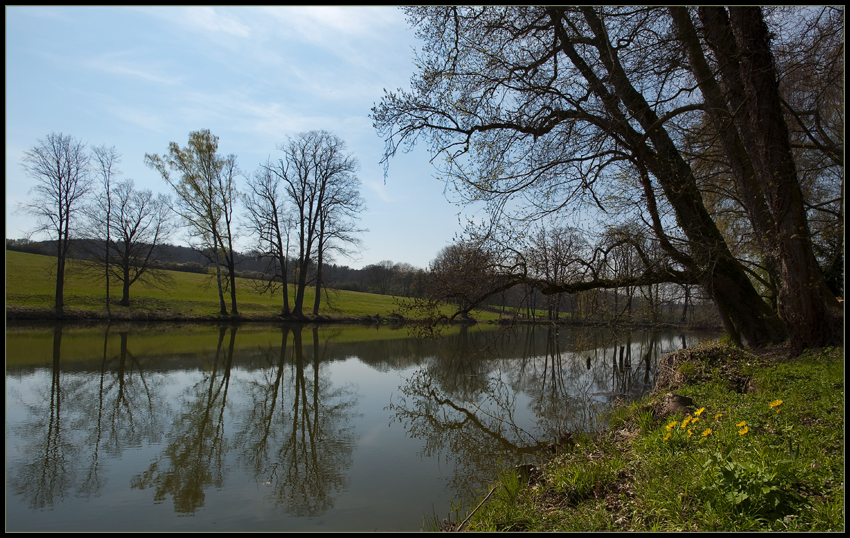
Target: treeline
383 278
652 304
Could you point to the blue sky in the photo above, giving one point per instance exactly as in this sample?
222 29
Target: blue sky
139 78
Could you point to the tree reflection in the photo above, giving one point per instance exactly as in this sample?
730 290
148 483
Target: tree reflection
193 460
475 434
297 438
47 474
468 408
63 425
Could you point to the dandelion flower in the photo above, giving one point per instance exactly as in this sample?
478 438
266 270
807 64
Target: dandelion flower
742 424
706 433
685 422
690 432
775 403
717 416
671 425
695 420
699 412
667 436
744 431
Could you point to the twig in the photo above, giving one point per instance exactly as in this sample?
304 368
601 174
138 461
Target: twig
477 507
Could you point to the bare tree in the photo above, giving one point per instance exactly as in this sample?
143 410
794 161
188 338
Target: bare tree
205 195
140 223
270 223
60 166
318 177
106 162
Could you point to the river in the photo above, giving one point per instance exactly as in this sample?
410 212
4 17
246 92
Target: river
181 427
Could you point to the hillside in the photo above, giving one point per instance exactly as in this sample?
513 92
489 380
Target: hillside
185 296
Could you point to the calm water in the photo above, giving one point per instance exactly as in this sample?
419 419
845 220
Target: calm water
268 428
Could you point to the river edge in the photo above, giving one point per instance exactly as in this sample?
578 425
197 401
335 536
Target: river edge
633 477
25 313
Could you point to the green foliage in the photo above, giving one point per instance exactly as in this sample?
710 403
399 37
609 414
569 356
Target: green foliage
771 459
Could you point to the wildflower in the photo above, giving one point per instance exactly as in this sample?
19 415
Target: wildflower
717 416
742 424
776 403
777 411
706 433
667 436
695 420
671 425
685 422
744 431
699 412
690 432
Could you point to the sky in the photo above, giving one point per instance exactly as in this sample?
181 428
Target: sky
138 78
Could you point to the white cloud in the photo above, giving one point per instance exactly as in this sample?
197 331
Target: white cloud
121 63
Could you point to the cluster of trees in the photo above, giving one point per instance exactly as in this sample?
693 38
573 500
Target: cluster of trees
78 190
299 210
705 144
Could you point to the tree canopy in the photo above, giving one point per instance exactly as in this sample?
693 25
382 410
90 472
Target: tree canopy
667 124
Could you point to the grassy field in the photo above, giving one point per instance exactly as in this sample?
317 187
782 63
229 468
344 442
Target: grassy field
30 285
760 449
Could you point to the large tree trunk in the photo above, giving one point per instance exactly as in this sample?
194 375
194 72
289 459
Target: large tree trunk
809 310
223 305
298 308
720 273
125 293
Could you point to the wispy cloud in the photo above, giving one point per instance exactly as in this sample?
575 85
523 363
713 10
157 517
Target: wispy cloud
122 63
207 19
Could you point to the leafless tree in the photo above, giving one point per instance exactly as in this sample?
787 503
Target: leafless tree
318 178
59 164
270 223
139 224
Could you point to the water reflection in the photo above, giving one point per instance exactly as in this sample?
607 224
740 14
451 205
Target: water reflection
298 442
181 419
465 407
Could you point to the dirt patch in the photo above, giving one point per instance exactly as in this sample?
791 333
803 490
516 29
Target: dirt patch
694 365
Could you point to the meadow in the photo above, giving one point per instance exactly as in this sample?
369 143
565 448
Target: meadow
30 288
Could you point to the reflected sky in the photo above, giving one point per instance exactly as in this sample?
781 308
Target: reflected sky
264 428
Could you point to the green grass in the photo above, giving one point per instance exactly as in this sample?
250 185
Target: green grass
741 466
30 283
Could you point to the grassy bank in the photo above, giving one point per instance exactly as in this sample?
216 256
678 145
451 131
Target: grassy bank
30 288
760 448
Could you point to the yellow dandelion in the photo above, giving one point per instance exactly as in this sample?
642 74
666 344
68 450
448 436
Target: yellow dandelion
717 416
685 422
671 425
699 412
690 432
775 403
667 436
706 433
695 420
744 431
741 424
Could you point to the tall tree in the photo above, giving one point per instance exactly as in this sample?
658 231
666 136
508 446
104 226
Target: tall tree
556 105
106 167
59 164
318 177
270 223
205 195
